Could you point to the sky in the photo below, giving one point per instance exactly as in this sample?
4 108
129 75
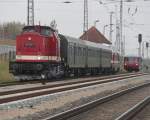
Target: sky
69 17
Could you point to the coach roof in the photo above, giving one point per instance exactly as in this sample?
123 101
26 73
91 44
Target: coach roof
88 43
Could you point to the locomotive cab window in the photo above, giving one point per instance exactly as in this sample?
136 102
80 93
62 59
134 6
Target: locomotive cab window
29 29
46 32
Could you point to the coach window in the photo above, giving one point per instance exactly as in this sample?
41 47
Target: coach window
76 52
93 53
89 52
72 51
79 51
84 52
69 50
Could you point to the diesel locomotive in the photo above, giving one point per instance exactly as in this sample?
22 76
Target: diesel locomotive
42 53
132 63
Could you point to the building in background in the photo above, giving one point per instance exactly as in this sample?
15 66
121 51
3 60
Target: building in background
94 35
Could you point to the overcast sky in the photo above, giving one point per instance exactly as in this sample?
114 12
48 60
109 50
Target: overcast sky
69 17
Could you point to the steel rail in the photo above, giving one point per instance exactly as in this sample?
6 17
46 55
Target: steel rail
69 83
11 83
85 107
128 115
35 93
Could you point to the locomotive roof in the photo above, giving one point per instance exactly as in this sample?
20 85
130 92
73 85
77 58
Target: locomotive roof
88 43
132 56
32 26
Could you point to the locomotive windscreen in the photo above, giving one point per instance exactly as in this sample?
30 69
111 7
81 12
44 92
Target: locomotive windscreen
132 59
47 31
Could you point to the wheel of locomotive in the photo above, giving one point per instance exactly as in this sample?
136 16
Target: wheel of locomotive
48 75
66 74
21 80
58 76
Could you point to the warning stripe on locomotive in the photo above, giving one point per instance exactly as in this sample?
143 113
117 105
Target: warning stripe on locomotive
115 62
37 57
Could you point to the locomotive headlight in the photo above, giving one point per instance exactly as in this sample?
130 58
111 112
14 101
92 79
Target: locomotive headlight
29 38
39 58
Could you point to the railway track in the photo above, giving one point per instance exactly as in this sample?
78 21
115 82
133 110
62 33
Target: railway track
11 83
3 84
67 82
132 112
14 95
69 114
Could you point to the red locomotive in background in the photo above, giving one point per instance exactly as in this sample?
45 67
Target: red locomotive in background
42 53
132 63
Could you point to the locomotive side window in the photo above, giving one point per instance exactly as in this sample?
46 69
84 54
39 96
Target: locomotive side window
46 32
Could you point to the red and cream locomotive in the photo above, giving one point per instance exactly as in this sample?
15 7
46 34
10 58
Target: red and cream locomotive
37 53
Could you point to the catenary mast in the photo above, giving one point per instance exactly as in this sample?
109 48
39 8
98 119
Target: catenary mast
30 12
85 24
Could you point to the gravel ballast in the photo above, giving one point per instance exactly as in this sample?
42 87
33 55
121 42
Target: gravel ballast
39 107
116 107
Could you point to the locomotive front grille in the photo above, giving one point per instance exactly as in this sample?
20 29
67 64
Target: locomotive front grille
28 66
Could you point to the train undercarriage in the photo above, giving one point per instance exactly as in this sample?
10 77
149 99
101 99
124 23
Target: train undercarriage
35 70
39 70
